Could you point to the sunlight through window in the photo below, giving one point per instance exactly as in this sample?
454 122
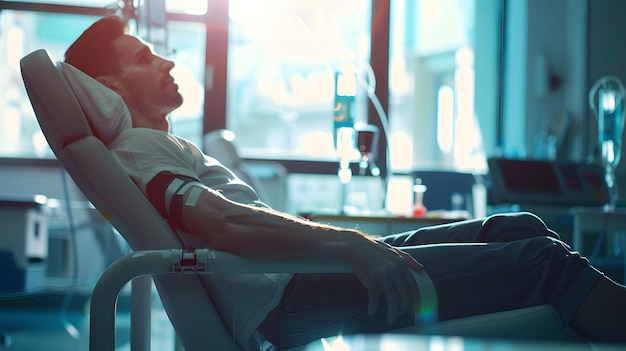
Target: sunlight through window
189 7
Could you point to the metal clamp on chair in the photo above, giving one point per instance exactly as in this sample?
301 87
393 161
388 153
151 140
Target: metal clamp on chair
67 113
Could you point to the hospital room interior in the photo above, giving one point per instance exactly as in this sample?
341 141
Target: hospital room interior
380 115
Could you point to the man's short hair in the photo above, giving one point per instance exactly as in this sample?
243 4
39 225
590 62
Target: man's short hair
93 51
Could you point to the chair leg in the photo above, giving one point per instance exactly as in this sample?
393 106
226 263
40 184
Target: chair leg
140 315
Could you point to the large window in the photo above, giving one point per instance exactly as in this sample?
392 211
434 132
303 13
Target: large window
54 25
280 62
186 47
432 85
20 33
282 59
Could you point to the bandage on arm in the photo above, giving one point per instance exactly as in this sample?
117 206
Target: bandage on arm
166 192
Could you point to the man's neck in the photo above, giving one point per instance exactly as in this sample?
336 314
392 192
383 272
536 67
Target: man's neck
140 121
165 126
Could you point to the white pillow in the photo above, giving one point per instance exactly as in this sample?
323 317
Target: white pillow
104 108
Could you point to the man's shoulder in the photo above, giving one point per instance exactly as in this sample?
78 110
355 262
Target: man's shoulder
141 133
146 152
145 136
144 141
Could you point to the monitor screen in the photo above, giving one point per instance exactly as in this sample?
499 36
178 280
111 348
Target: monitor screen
529 176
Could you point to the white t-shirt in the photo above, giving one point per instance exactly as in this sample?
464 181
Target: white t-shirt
244 300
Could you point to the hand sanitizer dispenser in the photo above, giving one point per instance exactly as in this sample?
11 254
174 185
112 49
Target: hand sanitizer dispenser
23 243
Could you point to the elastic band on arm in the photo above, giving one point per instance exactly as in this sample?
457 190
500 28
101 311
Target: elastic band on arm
166 190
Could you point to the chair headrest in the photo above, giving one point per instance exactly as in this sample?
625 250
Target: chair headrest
105 109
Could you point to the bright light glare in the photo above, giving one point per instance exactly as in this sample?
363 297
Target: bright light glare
445 118
337 345
345 175
392 344
346 82
246 10
190 7
437 344
607 100
15 45
40 144
41 199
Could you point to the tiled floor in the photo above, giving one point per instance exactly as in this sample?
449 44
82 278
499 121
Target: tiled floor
39 323
37 330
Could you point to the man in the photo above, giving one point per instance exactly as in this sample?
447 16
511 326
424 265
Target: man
477 266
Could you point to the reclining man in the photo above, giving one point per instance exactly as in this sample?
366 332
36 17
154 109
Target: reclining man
477 266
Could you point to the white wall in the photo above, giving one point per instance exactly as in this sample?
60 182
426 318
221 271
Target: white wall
486 67
543 38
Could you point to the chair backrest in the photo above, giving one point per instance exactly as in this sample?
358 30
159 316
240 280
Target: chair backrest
60 111
219 145
268 178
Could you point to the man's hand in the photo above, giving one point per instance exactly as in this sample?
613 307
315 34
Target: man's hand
386 272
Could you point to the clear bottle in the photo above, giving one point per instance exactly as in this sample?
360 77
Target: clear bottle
419 210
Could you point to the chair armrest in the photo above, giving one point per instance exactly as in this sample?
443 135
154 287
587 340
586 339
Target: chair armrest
205 261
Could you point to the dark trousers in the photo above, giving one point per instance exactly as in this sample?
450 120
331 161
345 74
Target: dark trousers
503 262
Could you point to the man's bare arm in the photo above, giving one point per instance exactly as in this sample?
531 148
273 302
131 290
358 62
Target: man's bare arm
267 234
260 232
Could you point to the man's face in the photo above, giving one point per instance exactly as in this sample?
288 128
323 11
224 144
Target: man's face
144 81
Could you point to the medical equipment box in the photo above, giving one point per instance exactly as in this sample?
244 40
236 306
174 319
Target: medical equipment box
23 243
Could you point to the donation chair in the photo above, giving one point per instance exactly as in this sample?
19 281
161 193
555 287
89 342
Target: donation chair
220 145
75 114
